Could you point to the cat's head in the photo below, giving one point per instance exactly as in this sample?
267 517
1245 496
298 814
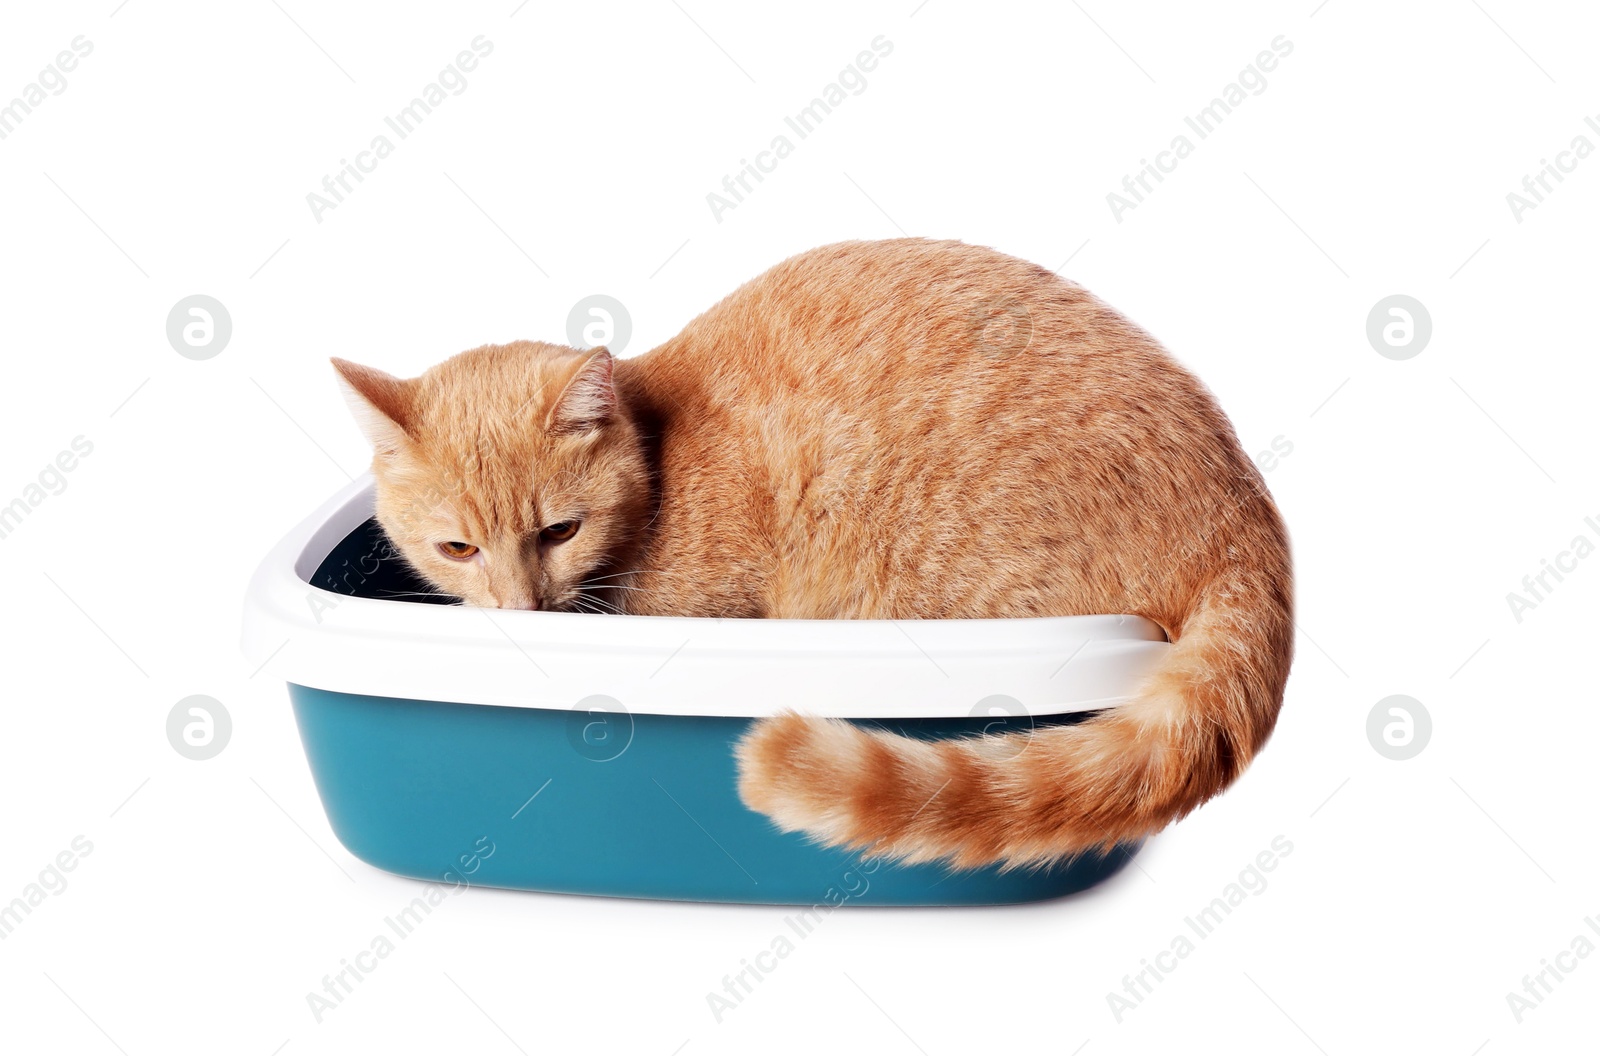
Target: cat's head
506 475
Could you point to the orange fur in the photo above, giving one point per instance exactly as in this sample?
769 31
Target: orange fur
880 430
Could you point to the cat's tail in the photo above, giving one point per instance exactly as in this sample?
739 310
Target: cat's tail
1025 798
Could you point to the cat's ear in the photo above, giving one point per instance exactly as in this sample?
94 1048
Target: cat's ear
381 404
589 399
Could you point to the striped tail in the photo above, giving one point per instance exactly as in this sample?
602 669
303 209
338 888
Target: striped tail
1124 774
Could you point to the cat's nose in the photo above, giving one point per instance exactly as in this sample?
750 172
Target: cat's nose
527 604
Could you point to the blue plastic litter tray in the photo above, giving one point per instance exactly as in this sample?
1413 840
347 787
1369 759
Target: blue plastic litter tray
593 754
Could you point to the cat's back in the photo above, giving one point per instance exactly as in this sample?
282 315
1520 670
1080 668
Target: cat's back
845 320
859 408
920 333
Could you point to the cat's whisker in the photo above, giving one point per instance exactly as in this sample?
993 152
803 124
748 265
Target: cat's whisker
595 606
655 573
605 606
613 575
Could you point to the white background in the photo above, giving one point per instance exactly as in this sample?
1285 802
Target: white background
1419 492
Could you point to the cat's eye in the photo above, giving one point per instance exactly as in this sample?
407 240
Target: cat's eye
458 551
559 532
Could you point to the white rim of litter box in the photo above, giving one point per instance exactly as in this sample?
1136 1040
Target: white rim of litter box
673 665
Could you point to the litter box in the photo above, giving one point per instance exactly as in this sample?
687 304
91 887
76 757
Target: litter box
593 754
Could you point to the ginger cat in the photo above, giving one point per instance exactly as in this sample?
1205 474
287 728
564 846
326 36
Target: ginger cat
906 430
